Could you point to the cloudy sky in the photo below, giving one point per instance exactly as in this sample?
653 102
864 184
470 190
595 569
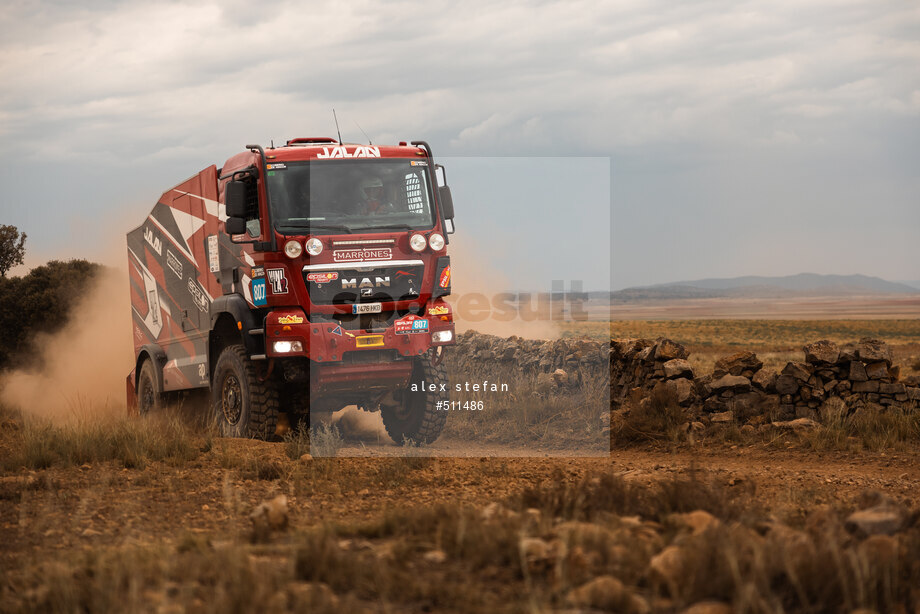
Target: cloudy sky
694 140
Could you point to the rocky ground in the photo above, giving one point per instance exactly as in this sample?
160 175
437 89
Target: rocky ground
695 527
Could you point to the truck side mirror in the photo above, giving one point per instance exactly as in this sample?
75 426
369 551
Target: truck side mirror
235 226
235 199
447 202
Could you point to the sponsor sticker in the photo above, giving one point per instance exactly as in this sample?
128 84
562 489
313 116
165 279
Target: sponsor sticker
213 260
322 278
410 324
278 280
174 263
197 295
358 255
440 310
277 166
258 292
445 277
153 240
290 319
418 163
257 271
356 152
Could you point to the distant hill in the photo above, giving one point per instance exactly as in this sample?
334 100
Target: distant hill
752 286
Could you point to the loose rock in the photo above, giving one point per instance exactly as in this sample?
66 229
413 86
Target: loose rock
607 593
269 516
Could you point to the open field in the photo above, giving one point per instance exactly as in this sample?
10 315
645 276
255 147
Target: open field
155 516
774 341
895 306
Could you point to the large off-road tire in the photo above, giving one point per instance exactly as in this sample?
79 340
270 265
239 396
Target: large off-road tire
149 395
416 417
243 405
295 402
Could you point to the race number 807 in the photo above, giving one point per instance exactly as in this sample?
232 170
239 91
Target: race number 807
258 292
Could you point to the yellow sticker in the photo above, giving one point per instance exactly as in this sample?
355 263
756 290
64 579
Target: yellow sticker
369 341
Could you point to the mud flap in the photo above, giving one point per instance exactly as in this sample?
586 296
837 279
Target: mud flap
131 394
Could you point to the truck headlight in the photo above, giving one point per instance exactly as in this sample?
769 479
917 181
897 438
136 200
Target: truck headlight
293 248
442 336
286 347
314 247
417 242
436 241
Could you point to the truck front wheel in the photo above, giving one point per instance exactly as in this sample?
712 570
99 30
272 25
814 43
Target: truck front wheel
149 395
416 417
243 405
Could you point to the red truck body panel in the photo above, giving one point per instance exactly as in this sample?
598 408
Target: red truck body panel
181 260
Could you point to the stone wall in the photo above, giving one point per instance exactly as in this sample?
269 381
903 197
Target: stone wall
555 364
739 389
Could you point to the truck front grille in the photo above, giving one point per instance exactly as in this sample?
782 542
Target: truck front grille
348 285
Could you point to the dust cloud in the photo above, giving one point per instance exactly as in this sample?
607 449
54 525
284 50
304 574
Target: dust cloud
476 288
354 423
83 366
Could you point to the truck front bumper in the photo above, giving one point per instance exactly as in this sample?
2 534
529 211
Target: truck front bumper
289 333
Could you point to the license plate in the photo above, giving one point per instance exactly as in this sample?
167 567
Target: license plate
366 308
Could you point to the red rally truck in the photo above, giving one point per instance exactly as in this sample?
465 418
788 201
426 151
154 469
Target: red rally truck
298 279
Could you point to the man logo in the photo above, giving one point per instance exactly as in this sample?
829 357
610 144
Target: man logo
379 282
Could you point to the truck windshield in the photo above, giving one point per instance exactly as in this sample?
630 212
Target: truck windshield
336 196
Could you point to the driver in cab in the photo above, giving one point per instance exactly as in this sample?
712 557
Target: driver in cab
373 201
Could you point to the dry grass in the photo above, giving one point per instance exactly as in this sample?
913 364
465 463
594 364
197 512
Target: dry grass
131 442
533 411
891 430
657 417
596 497
321 440
192 576
884 431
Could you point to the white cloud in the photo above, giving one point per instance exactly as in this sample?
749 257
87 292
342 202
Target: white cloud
139 85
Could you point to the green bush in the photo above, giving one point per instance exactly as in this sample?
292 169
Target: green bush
39 302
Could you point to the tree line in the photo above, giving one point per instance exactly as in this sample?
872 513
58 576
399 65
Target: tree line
38 302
